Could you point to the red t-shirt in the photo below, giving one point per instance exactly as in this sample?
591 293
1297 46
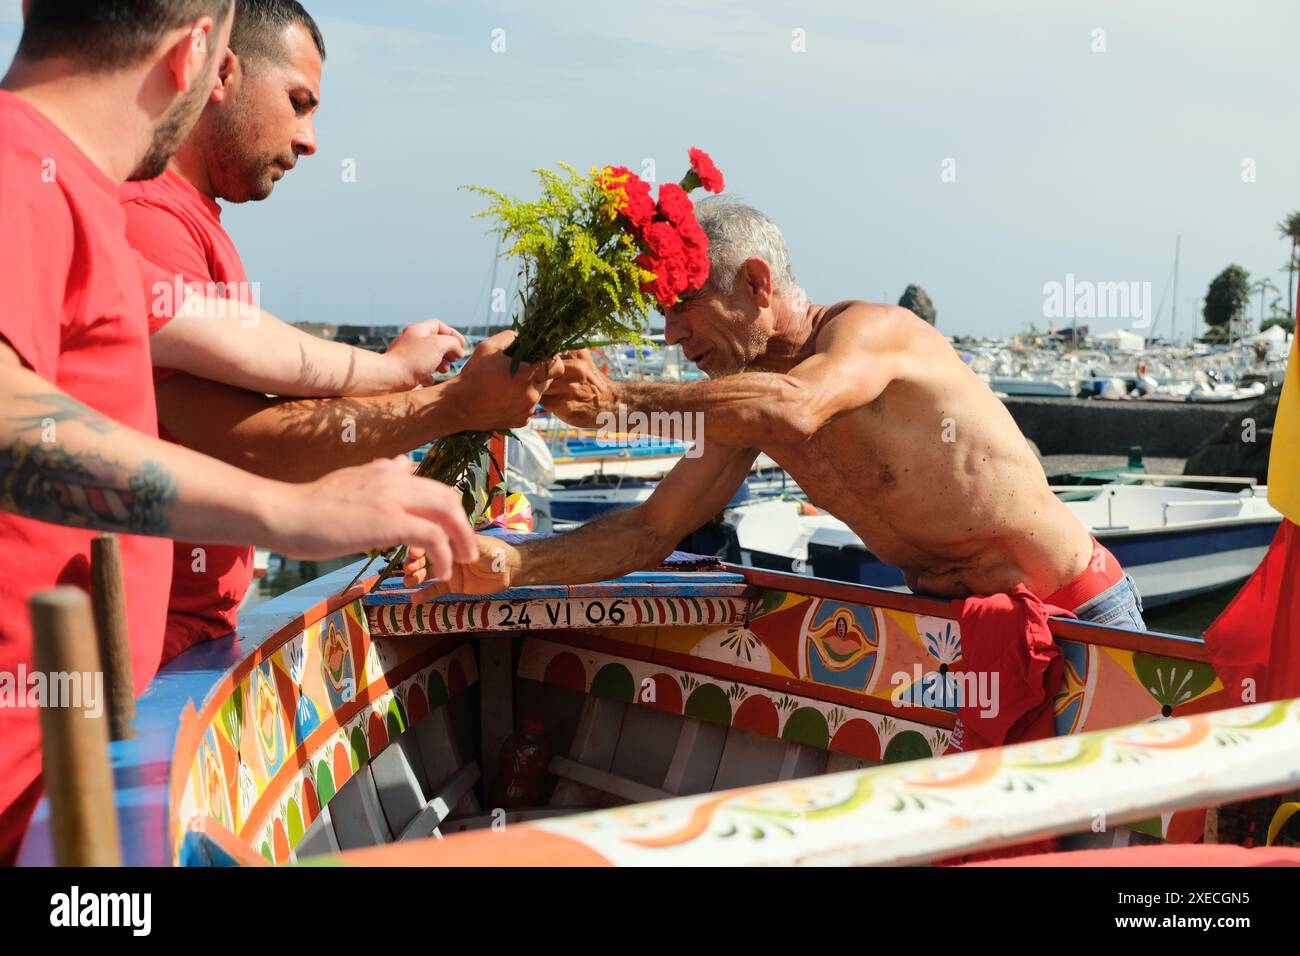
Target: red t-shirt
178 230
71 307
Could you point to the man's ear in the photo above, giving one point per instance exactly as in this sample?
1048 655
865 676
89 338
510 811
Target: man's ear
228 75
187 56
757 276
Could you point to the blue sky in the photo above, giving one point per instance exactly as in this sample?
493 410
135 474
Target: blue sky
1068 161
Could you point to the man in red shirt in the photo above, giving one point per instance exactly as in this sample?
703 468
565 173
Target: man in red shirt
257 124
101 91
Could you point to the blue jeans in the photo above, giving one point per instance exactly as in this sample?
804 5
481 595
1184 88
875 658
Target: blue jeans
1117 606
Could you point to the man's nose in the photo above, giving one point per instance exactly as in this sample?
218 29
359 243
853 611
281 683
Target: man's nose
674 331
304 144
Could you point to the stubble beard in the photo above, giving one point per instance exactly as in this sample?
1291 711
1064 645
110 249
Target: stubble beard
248 177
170 133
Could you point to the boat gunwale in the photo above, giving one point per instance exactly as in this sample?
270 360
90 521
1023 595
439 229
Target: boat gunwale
1150 642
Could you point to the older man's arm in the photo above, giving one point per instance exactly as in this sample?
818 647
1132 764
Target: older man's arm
858 354
691 494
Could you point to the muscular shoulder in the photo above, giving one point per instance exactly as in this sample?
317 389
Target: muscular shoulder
875 326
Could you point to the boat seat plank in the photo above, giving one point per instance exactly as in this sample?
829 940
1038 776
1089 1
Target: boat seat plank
748 758
605 782
397 782
838 762
695 759
646 745
594 745
801 761
358 818
318 838
425 823
440 757
496 681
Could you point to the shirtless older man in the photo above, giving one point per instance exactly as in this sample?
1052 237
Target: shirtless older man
865 405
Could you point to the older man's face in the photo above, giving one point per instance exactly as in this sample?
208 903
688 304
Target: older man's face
718 333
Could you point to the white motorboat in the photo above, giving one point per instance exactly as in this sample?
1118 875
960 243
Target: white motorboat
1177 542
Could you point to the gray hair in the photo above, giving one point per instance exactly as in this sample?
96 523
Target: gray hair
738 232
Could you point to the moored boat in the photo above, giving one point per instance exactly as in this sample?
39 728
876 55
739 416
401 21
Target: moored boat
1176 542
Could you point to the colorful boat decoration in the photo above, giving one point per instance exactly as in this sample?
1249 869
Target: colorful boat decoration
691 714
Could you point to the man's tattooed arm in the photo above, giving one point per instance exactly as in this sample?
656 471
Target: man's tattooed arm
43 475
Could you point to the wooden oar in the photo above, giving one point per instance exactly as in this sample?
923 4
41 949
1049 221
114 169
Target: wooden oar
74 738
109 604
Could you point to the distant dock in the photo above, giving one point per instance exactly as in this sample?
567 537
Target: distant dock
1075 426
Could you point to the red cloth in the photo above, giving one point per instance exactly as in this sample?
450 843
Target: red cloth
178 229
1005 637
71 308
1255 637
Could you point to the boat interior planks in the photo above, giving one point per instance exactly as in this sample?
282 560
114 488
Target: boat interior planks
702 709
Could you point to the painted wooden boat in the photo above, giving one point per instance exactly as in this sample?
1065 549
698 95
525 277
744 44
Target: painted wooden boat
713 716
1176 542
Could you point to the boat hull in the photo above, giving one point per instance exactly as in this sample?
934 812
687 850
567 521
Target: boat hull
336 724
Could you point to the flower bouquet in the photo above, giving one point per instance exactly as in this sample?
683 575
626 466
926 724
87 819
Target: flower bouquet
594 250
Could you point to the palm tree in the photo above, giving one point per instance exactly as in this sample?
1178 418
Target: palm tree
1262 286
1289 228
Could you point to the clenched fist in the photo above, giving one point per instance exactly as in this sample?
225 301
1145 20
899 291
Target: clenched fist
424 350
490 572
581 392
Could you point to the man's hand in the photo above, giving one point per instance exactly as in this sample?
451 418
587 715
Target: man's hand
490 573
423 350
372 506
491 398
581 392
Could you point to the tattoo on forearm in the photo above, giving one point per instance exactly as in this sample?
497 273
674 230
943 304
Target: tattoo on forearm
85 490
61 408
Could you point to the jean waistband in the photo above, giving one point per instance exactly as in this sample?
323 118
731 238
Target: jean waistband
1103 572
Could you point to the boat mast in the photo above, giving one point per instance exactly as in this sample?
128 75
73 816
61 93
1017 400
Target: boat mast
492 290
1173 316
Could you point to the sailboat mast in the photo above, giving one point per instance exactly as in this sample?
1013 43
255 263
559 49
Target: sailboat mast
1173 316
492 289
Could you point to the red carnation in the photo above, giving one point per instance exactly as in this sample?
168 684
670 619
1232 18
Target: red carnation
675 205
662 286
669 260
637 205
663 240
709 176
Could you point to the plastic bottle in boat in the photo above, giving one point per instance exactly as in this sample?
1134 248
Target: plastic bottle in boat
522 767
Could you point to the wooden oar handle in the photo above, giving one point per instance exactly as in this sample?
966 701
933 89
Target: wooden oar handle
74 731
109 604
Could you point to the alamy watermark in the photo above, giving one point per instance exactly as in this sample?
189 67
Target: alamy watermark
1084 299
240 300
962 689
73 909
35 689
624 428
